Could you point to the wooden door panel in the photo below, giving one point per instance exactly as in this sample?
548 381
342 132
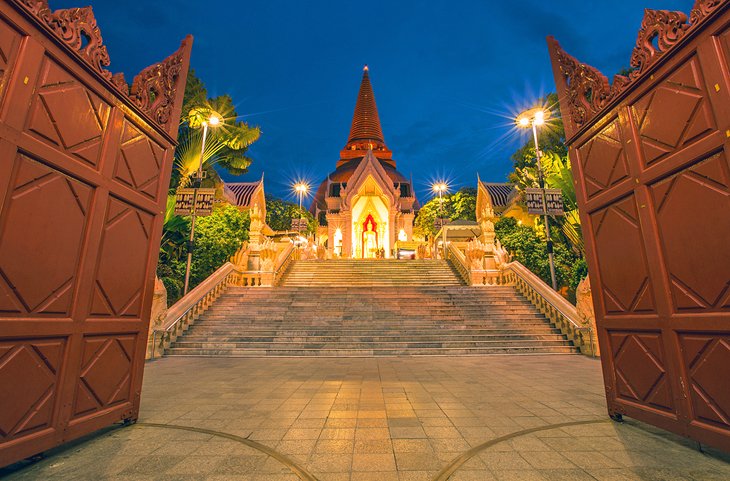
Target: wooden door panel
84 167
649 153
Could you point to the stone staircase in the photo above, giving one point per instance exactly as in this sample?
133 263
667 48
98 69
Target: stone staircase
381 272
370 308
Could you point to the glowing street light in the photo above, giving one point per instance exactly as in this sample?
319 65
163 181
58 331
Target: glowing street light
213 121
440 187
535 118
301 189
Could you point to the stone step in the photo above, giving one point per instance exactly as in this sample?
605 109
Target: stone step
284 338
373 352
291 346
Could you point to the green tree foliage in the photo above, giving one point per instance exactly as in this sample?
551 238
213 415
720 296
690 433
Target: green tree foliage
528 246
461 204
557 175
226 145
279 214
219 235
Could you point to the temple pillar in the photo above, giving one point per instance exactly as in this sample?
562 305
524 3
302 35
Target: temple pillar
408 224
347 235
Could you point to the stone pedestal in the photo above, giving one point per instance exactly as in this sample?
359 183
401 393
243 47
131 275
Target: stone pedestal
158 316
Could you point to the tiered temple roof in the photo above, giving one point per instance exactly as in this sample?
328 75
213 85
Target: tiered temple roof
365 132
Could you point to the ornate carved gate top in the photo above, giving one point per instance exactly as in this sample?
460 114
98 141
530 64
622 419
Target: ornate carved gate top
153 89
585 92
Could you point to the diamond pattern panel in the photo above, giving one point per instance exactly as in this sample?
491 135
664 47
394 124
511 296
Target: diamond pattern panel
139 161
638 361
68 115
700 197
105 373
9 42
37 363
674 114
123 261
707 358
604 160
619 244
43 219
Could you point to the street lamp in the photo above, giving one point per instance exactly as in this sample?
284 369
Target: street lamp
213 121
535 118
440 187
301 189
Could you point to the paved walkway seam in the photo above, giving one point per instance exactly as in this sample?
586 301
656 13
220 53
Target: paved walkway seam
294 467
457 462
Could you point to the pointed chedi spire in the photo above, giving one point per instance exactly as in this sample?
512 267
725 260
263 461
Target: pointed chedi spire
365 132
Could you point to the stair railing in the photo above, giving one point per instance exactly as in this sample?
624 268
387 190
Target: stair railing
561 313
457 259
473 277
181 315
283 263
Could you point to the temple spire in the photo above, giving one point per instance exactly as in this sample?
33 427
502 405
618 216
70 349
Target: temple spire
365 132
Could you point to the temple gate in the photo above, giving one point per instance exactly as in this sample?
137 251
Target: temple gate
84 167
650 159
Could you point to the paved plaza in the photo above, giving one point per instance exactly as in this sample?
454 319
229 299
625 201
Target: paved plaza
405 419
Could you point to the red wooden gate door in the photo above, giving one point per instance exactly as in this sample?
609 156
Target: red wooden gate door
651 161
84 168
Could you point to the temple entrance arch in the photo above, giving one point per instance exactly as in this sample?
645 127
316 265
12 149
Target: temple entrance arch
370 227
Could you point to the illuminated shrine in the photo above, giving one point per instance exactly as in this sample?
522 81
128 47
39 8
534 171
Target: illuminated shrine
365 206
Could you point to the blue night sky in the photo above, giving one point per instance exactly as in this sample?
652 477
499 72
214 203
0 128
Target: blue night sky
446 75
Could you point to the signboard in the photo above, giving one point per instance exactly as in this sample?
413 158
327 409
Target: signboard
203 203
536 203
299 224
439 222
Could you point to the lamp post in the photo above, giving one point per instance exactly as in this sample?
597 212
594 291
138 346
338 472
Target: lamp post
301 189
535 118
213 121
441 187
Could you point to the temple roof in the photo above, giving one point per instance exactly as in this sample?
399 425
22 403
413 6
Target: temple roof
500 192
365 132
241 193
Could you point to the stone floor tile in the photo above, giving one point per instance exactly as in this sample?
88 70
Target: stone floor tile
547 460
518 475
417 461
334 446
373 446
373 462
329 463
371 433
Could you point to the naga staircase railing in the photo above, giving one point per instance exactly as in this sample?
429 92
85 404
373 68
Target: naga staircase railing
185 311
181 315
561 313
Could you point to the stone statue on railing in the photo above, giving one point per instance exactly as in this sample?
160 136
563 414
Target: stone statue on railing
267 255
475 252
321 252
501 256
240 258
584 308
158 315
486 222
